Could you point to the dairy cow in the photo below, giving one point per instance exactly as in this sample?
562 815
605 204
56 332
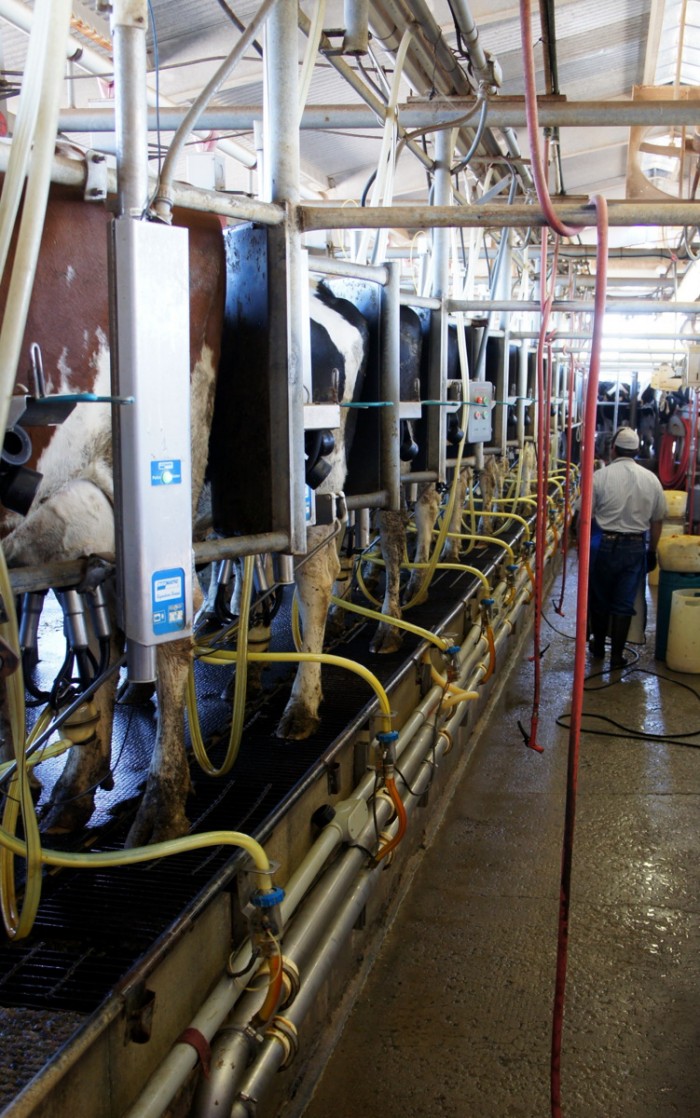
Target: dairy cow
72 515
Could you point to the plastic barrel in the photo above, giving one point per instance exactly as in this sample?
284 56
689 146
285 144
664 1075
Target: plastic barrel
668 582
683 645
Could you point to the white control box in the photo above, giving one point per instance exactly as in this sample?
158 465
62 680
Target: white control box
479 427
153 483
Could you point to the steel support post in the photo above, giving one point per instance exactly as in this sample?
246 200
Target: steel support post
129 23
286 274
436 421
390 388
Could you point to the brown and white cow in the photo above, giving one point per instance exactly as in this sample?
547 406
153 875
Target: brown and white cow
72 514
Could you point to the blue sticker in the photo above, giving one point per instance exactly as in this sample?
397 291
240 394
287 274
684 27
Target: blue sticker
166 471
168 601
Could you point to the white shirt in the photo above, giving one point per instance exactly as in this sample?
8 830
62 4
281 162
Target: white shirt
626 497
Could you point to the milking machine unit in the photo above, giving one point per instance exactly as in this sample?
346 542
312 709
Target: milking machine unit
152 464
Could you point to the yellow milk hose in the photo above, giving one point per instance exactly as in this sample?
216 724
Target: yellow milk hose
225 657
19 920
240 688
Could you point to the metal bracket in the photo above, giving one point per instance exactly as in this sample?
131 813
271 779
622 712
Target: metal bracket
140 1007
96 177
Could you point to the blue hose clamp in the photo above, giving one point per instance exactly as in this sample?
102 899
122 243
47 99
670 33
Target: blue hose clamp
386 737
452 650
268 899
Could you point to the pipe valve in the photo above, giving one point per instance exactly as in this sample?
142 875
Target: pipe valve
486 607
386 749
449 656
265 918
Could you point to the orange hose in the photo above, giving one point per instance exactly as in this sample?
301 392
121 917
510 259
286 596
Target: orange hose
492 654
274 991
390 785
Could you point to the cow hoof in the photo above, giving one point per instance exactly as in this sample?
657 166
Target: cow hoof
296 725
152 825
65 818
254 684
387 639
450 555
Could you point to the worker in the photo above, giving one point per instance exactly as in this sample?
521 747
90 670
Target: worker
628 508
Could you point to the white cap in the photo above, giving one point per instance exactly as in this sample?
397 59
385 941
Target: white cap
626 439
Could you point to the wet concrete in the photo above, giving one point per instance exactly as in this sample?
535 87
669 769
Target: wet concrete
455 1017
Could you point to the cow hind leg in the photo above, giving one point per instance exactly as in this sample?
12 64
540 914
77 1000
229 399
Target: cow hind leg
426 512
315 577
452 549
392 539
161 814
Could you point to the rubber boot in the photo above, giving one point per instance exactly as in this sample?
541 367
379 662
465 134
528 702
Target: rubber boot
619 628
599 628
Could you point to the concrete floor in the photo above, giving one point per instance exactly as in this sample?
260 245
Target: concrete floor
455 1017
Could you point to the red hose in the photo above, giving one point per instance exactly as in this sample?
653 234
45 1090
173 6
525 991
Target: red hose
584 532
533 128
672 474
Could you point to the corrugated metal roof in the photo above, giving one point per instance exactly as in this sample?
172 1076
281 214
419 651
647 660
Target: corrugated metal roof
603 50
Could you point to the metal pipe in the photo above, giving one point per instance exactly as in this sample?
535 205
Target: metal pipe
287 277
437 371
356 16
619 343
522 391
566 306
163 201
71 172
482 63
129 22
328 266
272 1054
520 215
504 112
314 917
390 388
377 107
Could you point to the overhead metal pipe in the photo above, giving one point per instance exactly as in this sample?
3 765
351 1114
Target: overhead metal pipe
620 214
376 106
72 172
481 61
504 112
356 17
612 306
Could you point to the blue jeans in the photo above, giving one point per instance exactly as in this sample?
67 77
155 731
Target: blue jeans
618 565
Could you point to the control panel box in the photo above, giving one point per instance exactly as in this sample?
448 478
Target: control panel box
153 487
479 426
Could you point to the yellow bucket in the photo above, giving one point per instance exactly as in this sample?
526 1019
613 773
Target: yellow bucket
683 645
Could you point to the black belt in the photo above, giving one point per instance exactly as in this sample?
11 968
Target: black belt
624 535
